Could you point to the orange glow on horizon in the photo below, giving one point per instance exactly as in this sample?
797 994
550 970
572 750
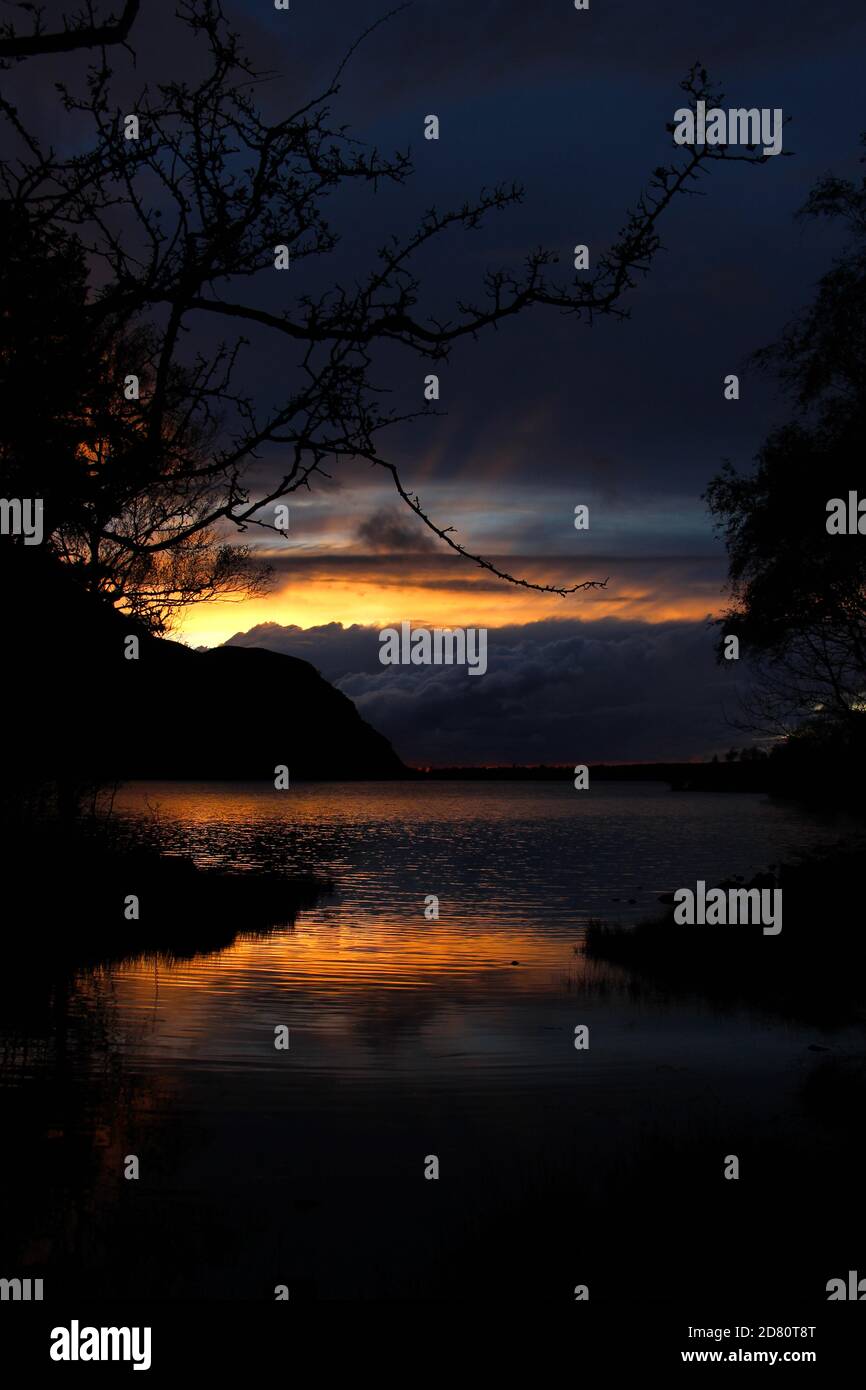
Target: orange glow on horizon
382 604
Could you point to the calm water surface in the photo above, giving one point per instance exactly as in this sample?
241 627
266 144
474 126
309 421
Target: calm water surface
413 1037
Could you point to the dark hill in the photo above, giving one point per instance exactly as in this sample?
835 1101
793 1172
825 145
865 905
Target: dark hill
78 709
241 712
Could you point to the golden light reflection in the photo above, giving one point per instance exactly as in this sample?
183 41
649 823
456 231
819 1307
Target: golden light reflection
358 954
354 944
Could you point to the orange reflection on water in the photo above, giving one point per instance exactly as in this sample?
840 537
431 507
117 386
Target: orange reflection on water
366 941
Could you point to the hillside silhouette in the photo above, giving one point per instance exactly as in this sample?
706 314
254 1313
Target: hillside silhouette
81 712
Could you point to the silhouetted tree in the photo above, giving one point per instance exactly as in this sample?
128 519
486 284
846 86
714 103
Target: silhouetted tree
69 436
799 593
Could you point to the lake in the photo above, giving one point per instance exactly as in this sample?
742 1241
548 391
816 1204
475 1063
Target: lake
412 1037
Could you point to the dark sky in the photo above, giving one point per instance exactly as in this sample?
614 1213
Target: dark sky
626 417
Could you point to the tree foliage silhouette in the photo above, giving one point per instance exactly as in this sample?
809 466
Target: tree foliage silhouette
798 593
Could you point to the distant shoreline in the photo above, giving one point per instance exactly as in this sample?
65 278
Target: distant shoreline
678 775
681 776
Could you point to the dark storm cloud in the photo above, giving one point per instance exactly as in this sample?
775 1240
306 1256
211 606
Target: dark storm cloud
386 531
556 691
334 650
560 692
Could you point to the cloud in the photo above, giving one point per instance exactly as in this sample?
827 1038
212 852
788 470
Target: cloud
555 691
386 531
334 650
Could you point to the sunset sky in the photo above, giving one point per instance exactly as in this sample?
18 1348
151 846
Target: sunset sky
547 412
628 418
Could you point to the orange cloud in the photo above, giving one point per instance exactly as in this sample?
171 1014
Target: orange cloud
437 591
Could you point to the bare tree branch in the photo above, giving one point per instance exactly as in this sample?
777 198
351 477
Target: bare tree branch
79 32
176 230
